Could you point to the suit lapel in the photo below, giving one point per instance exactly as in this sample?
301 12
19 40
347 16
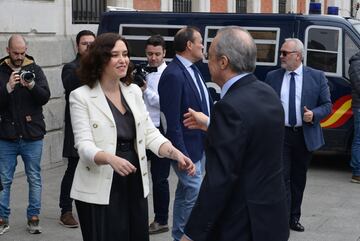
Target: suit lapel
99 100
189 79
278 82
305 87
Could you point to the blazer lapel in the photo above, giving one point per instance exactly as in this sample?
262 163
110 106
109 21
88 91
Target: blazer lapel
99 100
278 82
305 88
189 79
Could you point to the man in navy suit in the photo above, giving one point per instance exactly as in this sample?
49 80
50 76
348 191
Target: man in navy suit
305 97
181 86
242 196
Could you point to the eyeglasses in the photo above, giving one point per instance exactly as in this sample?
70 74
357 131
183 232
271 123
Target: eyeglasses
285 53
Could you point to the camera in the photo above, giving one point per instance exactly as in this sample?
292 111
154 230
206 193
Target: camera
140 72
26 75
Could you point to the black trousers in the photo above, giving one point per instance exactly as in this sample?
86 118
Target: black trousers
296 159
160 169
65 202
126 216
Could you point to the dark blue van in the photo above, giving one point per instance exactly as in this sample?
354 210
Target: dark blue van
329 42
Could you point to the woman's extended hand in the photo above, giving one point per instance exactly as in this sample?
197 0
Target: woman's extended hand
185 163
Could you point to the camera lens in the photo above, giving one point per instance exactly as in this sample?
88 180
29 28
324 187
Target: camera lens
27 76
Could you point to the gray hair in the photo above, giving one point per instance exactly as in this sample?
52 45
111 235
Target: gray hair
299 46
240 49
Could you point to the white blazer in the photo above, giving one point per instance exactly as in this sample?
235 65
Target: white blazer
95 130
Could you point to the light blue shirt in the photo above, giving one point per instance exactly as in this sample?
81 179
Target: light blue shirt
284 94
187 63
229 83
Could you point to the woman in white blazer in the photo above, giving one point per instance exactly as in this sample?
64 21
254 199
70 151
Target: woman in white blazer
112 129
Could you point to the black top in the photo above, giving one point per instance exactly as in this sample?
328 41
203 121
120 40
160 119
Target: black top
125 123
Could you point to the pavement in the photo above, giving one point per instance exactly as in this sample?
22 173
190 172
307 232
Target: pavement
331 208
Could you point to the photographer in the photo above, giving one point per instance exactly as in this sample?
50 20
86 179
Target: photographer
155 53
23 92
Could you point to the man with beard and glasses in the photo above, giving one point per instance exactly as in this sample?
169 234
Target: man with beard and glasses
23 91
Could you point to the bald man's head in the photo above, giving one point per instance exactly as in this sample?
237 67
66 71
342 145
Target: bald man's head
16 50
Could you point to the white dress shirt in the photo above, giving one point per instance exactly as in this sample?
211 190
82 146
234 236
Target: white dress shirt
284 95
151 95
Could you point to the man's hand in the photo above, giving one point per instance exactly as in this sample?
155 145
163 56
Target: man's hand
184 238
26 84
13 81
195 120
308 115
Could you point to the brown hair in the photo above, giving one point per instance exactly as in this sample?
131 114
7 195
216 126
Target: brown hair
93 63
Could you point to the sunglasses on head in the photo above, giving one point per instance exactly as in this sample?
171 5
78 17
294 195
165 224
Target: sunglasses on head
284 53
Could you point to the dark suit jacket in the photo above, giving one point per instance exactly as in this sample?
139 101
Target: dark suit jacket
70 82
315 96
242 196
177 92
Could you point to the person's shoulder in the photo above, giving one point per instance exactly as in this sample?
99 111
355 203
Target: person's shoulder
82 90
132 87
315 72
276 71
72 64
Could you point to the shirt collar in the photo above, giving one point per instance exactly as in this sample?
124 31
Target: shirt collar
187 63
298 71
229 83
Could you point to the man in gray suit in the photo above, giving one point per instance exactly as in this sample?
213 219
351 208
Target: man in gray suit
305 97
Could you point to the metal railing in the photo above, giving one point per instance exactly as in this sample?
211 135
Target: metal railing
182 6
241 6
87 11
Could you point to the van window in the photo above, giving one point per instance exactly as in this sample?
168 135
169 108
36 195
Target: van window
350 50
323 49
137 34
266 40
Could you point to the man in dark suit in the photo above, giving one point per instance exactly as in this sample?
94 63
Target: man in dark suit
305 97
70 82
242 196
181 87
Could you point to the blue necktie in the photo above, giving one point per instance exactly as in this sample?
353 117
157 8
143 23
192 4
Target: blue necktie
292 108
202 93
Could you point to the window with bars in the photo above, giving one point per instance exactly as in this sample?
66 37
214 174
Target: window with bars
241 6
282 6
182 6
87 11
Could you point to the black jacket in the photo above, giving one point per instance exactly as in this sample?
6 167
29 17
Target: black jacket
21 110
70 82
354 74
